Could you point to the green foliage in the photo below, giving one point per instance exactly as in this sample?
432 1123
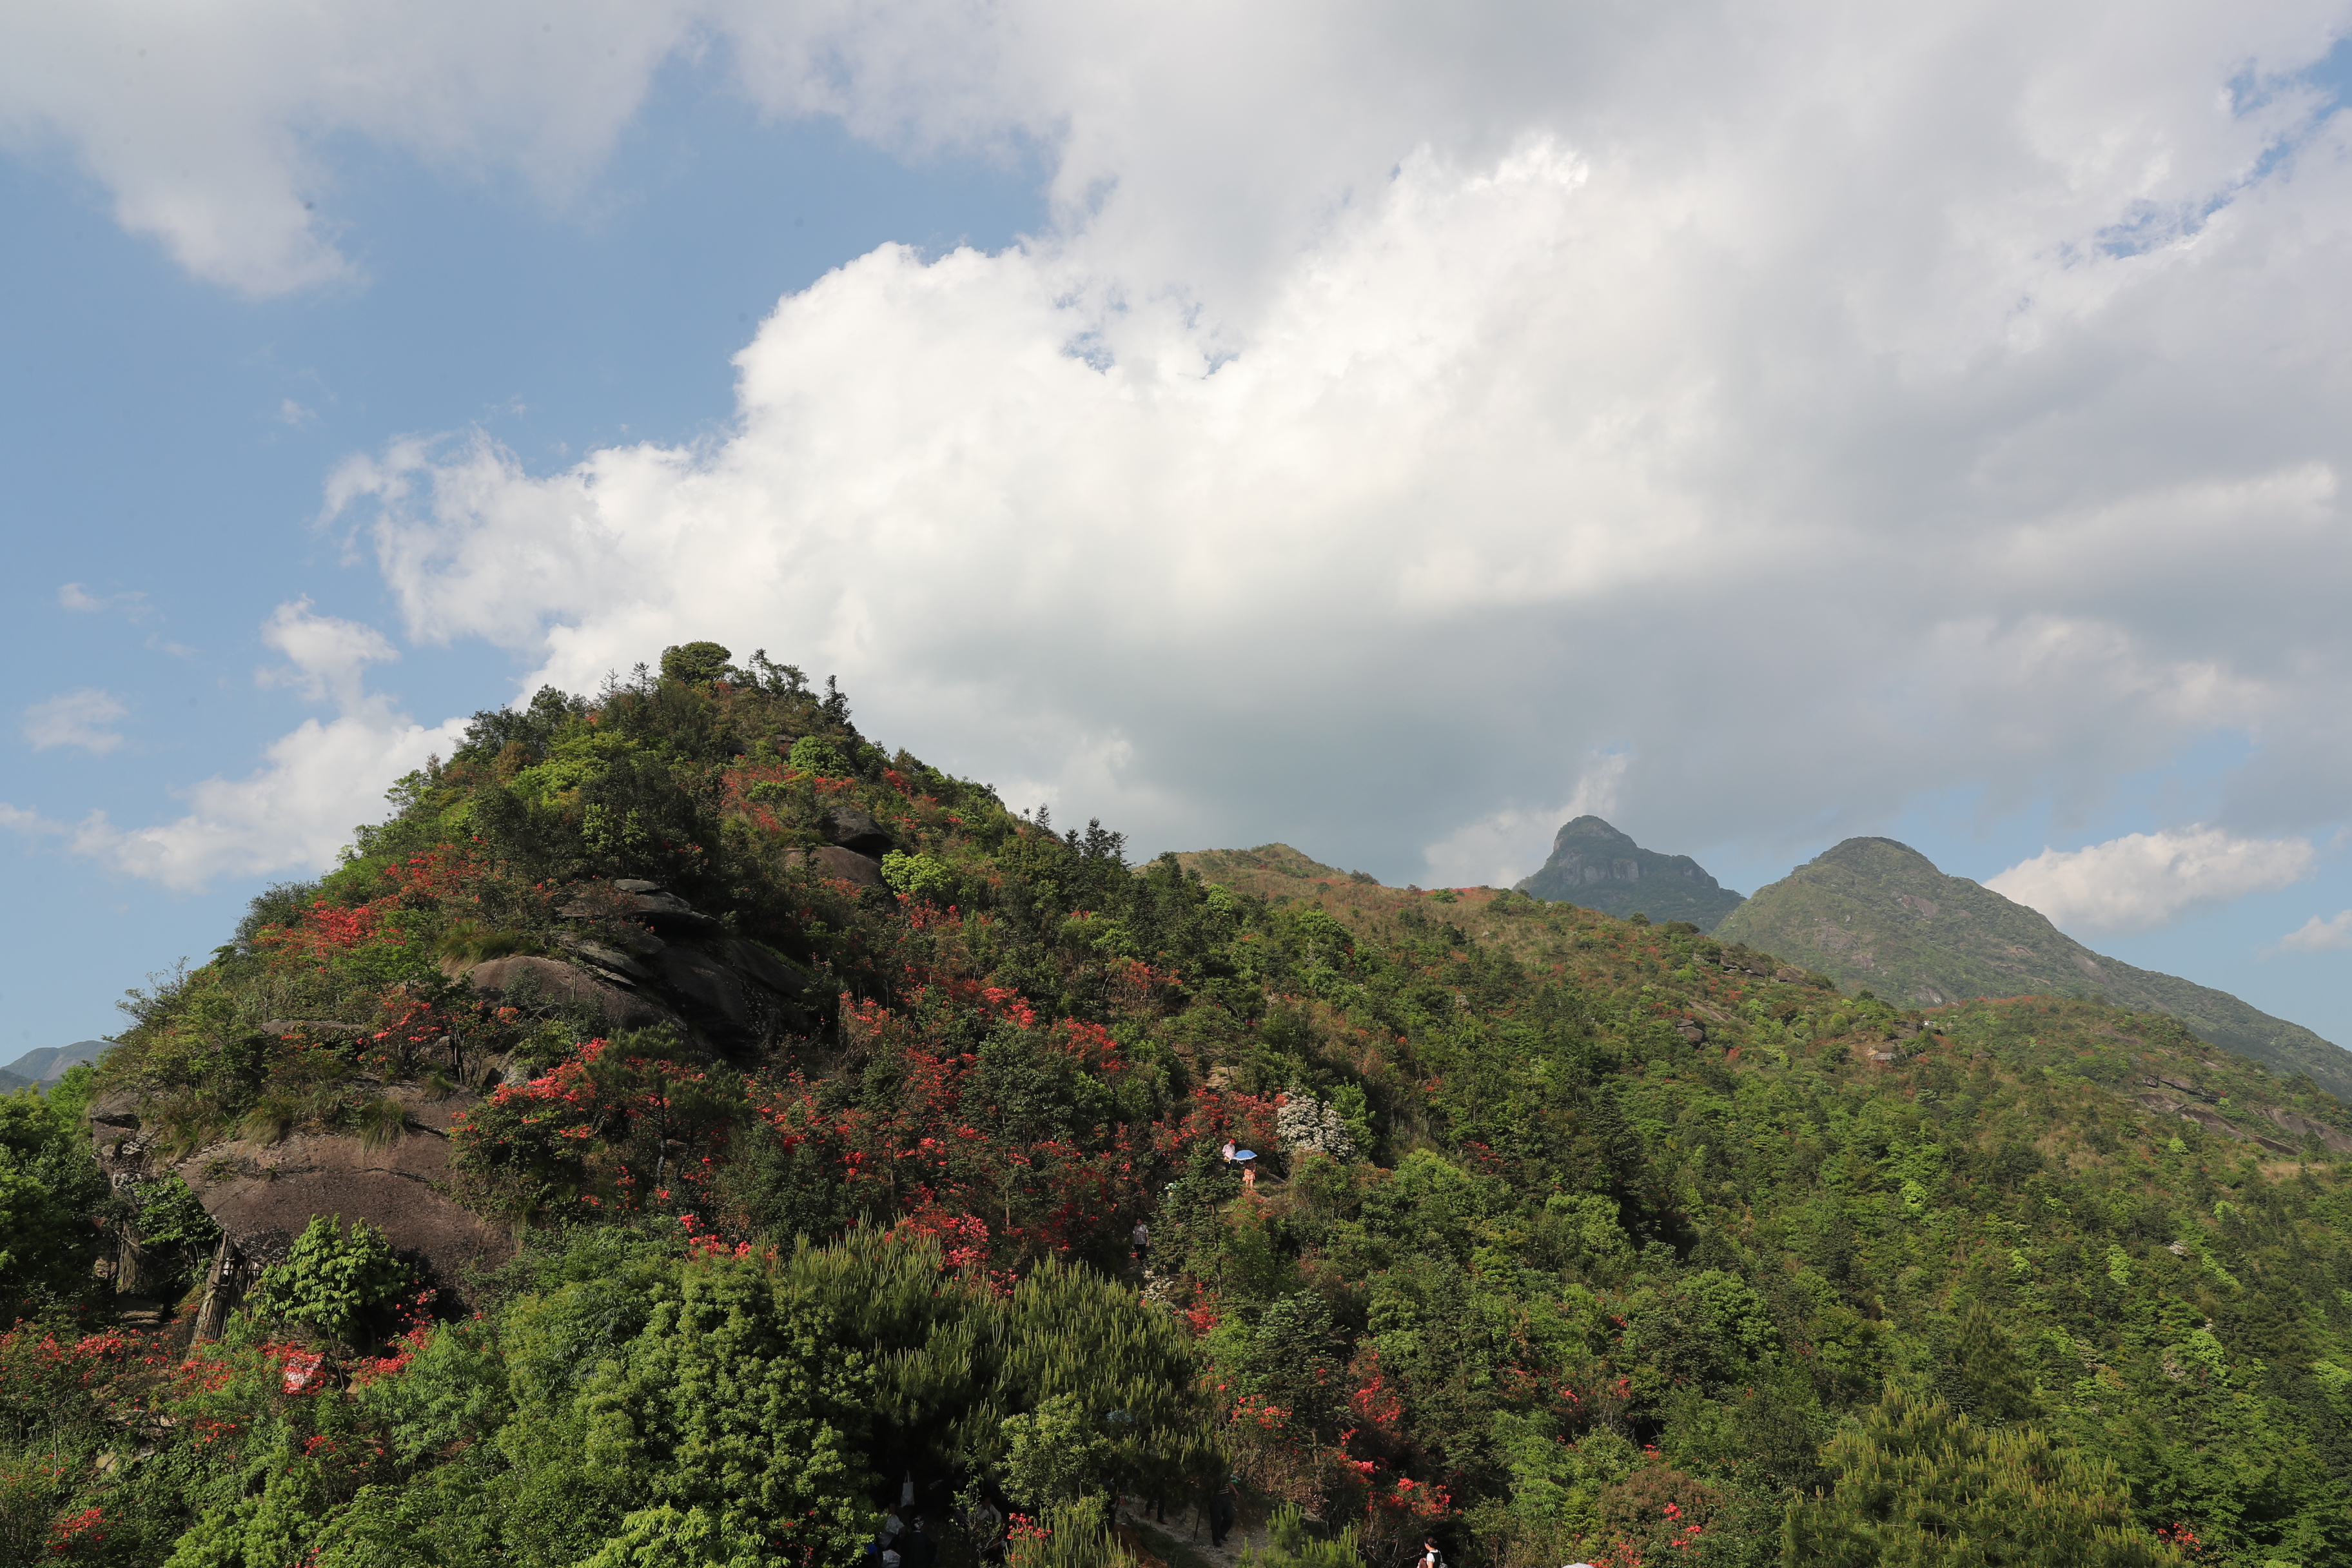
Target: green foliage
171 1218
332 1277
1916 1483
815 754
742 1400
919 875
1290 1544
1075 1535
49 1185
1932 938
695 663
1055 1455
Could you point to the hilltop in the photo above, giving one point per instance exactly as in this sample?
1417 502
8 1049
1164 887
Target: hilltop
48 1063
748 1119
1874 913
1595 866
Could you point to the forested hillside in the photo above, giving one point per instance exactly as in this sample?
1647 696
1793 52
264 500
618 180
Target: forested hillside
807 1098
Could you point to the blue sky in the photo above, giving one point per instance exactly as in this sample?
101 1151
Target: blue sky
1382 433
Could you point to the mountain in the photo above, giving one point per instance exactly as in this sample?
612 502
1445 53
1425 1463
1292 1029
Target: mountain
1596 867
49 1063
679 1097
1878 914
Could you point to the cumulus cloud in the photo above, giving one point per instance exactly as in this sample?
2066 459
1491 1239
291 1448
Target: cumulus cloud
84 719
1804 401
2145 880
2318 936
208 127
328 657
293 813
1503 846
315 785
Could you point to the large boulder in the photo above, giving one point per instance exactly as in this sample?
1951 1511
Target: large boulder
2298 1126
838 864
710 993
634 898
262 1195
551 980
851 828
751 959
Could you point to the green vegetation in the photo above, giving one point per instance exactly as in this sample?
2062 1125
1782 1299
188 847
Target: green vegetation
48 1192
333 1278
1872 913
1594 866
1569 1238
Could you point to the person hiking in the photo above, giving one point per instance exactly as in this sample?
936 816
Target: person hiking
1141 1239
987 1527
1431 1557
916 1547
1224 1507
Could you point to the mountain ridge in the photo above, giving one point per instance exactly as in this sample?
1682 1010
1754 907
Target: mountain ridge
1875 912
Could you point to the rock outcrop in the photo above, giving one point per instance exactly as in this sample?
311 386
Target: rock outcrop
637 957
262 1193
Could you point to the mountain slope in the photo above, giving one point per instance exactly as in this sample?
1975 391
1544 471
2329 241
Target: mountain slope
1594 866
1873 912
50 1062
1569 1237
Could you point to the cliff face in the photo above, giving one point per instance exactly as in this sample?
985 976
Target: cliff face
1878 914
1594 866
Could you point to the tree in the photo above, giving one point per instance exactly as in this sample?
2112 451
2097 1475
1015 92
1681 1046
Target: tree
333 1278
695 663
49 1184
1917 1483
1288 1544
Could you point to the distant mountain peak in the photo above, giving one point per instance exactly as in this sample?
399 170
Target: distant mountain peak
1877 852
1595 864
1876 912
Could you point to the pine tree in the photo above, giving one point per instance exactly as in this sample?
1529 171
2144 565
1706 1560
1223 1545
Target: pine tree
1917 1483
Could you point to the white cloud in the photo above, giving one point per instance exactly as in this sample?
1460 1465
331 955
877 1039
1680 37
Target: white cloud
2317 935
84 719
329 657
298 809
1404 402
2146 879
294 813
208 126
1503 846
78 596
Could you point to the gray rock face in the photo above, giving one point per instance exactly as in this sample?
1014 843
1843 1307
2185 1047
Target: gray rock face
611 961
853 829
263 1195
2297 1126
707 992
839 864
749 958
564 984
631 898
